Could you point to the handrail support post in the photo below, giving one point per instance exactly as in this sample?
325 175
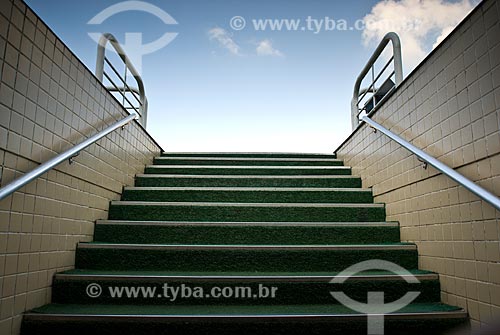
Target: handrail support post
398 72
71 159
129 67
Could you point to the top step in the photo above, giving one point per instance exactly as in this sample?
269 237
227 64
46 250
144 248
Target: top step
248 155
245 161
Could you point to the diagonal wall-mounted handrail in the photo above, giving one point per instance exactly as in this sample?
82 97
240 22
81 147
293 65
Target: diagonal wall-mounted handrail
68 154
445 169
142 111
397 73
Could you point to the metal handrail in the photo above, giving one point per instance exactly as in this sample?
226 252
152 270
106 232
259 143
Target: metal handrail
123 80
99 72
115 88
372 88
482 193
398 72
132 90
68 154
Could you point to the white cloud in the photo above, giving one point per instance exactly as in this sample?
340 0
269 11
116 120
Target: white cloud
421 24
265 48
445 32
224 39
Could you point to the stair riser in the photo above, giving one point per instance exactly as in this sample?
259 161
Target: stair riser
249 155
192 161
337 326
265 235
235 260
353 182
249 196
247 171
246 214
75 292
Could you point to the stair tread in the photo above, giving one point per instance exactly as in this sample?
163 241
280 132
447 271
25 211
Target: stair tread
249 154
247 204
243 167
248 189
201 311
216 176
248 194
264 224
246 169
79 273
250 159
387 246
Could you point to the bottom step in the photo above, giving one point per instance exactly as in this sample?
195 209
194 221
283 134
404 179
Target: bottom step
54 319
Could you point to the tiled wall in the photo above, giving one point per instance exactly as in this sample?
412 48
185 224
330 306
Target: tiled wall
450 108
48 102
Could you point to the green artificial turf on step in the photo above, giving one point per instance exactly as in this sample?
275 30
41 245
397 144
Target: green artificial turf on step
244 234
231 326
221 170
248 155
237 162
295 309
220 181
241 195
237 273
236 213
288 292
235 259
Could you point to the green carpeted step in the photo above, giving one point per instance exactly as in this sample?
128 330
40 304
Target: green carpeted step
148 180
55 319
248 155
242 212
247 170
244 161
274 227
303 288
282 258
245 275
245 232
248 194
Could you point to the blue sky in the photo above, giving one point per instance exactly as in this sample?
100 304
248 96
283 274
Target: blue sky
217 89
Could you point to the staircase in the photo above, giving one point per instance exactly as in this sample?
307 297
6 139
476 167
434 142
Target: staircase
251 243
